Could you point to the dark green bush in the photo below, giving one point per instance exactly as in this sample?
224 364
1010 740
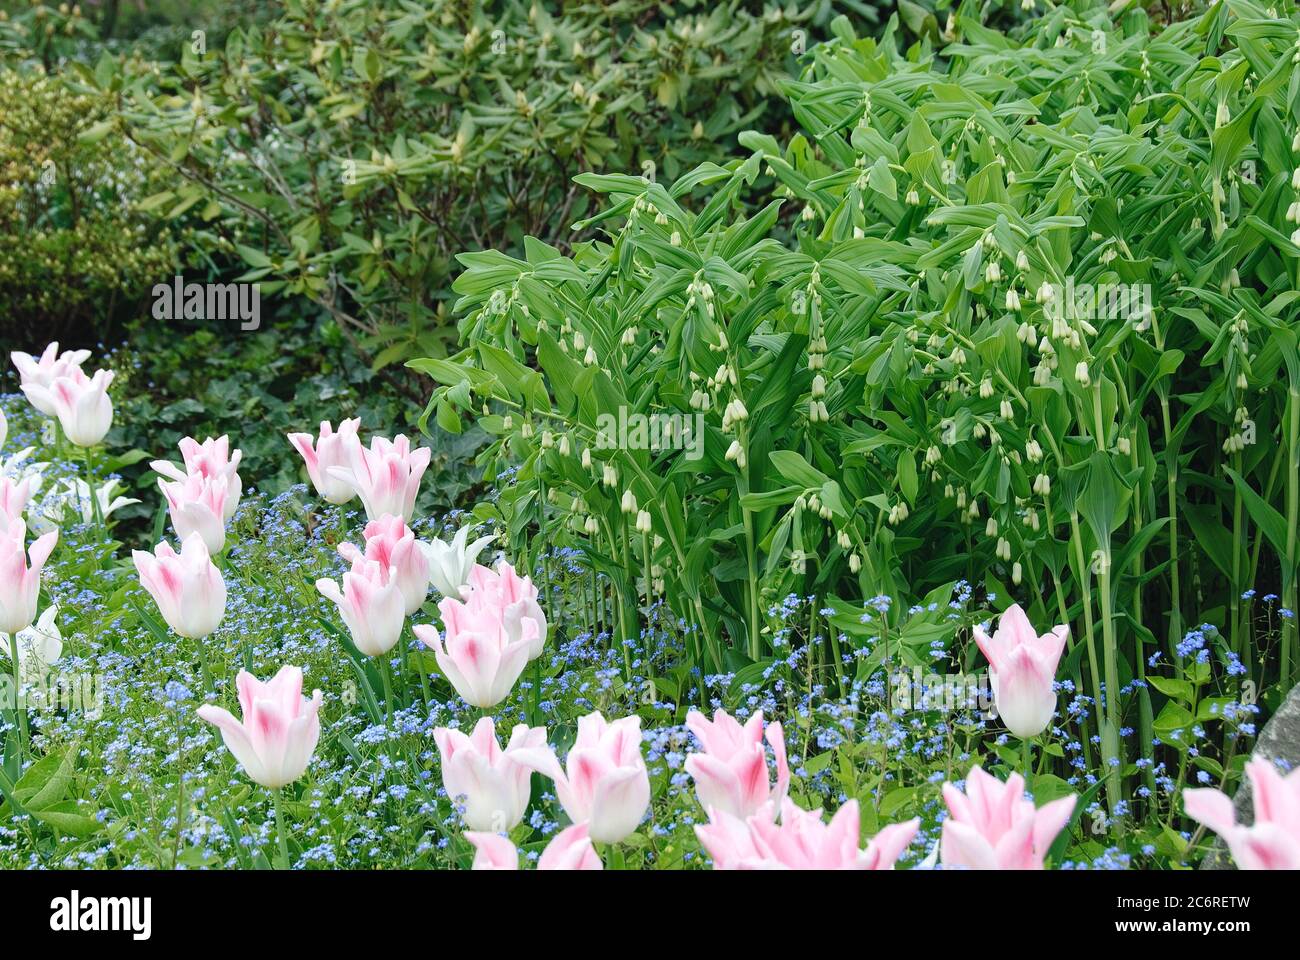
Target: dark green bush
346 151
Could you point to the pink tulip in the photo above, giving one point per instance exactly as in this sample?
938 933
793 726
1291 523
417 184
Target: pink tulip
994 826
280 729
187 586
493 784
20 584
392 544
479 655
371 605
210 459
570 849
1022 668
81 403
605 783
386 476
801 840
1273 842
14 496
43 372
516 598
731 772
198 505
331 450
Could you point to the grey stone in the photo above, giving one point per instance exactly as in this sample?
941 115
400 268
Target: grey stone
1279 740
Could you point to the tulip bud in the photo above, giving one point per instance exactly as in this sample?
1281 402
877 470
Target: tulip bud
187 586
990 810
493 784
279 731
21 583
605 783
1022 668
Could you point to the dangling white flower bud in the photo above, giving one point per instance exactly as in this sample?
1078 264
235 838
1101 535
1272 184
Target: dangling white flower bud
629 501
643 521
1081 374
736 454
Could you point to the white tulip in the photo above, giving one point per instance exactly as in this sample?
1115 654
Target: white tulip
450 563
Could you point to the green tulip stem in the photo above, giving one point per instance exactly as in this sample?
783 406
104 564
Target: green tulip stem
282 858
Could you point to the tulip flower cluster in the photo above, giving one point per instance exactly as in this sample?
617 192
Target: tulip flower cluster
204 493
201 495
491 626
490 636
386 475
604 787
55 385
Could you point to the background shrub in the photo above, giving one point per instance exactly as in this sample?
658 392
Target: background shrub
73 251
345 152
